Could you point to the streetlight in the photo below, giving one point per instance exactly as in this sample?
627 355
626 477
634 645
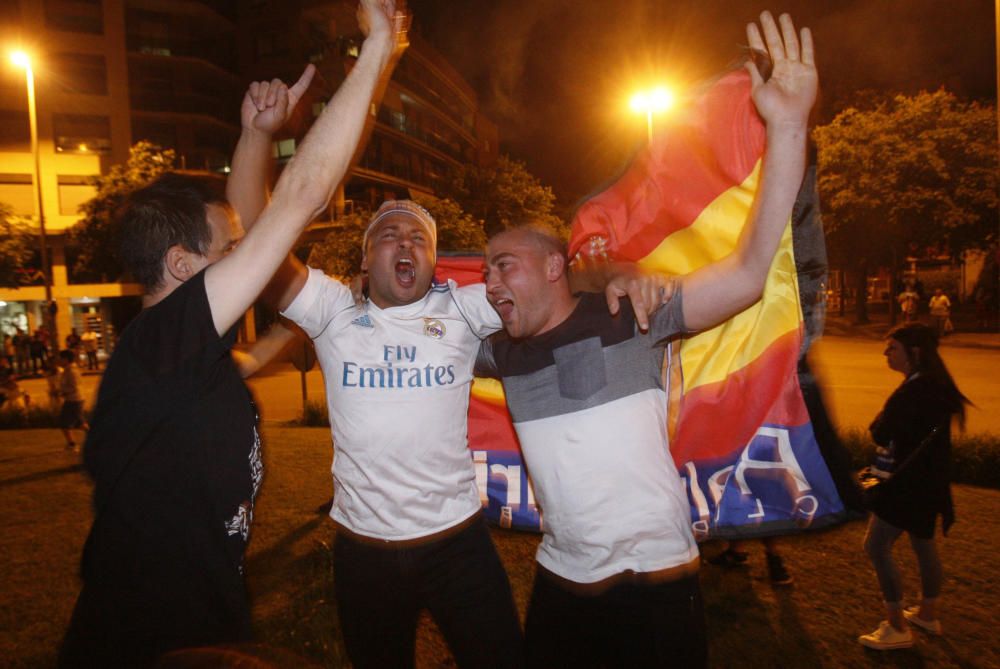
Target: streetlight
23 60
655 100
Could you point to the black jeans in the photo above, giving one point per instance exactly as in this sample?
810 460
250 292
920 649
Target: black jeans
459 579
628 626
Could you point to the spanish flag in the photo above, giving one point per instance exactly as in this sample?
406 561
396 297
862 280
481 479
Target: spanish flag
741 434
504 487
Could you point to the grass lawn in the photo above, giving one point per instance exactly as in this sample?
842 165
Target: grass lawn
46 502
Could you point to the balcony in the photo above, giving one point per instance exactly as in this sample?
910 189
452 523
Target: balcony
218 52
192 104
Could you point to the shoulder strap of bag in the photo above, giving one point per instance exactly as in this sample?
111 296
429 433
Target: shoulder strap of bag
913 454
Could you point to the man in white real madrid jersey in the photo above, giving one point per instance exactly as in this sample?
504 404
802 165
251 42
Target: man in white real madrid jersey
409 530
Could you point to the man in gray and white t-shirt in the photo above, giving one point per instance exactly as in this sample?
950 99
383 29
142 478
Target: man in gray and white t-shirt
616 583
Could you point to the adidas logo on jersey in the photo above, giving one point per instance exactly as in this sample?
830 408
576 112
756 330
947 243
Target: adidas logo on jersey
363 321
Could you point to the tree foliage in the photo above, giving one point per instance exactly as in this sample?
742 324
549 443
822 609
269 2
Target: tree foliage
17 246
502 195
96 235
456 229
339 254
910 172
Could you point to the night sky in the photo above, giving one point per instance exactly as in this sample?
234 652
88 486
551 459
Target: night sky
555 75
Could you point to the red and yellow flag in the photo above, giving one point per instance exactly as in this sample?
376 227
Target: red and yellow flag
740 431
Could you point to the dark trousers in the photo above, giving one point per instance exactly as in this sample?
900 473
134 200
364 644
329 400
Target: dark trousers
459 579
628 626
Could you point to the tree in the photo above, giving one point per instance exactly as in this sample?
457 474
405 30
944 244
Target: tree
96 234
456 230
502 195
339 254
918 170
17 246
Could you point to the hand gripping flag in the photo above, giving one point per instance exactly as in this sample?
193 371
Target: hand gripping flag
741 434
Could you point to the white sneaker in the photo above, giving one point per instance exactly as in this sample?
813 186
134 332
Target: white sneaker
932 626
887 637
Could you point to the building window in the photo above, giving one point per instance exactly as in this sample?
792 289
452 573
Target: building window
212 139
147 32
73 192
78 16
15 131
78 133
16 190
151 80
80 73
284 148
164 135
398 120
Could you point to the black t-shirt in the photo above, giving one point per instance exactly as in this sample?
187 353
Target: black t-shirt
174 452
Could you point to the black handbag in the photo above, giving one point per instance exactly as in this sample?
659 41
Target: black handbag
872 485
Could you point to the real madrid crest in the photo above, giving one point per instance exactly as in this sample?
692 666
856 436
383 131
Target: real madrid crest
433 328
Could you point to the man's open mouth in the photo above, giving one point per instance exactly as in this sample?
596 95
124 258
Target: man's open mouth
504 307
406 272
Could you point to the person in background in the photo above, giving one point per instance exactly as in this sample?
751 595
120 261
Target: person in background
53 375
39 350
71 413
11 395
941 312
913 431
9 352
908 301
74 343
735 556
22 352
89 341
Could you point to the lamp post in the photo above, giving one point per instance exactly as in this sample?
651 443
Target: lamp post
21 59
655 100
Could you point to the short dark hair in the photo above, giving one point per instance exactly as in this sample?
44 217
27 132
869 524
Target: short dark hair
544 234
168 211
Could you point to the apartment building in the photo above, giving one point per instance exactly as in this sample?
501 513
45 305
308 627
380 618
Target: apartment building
108 73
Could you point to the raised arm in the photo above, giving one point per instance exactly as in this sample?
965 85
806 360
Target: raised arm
722 289
267 106
264 350
309 179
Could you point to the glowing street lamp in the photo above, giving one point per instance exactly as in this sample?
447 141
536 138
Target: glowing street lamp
654 101
23 60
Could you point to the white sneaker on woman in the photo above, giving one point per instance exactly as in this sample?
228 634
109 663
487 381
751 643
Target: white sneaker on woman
911 613
887 637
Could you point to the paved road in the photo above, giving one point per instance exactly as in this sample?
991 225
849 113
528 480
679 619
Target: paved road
856 380
852 370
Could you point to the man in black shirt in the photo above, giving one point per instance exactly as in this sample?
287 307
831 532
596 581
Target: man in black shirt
174 449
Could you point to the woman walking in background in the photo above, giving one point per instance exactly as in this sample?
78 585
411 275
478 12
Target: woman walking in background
914 456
